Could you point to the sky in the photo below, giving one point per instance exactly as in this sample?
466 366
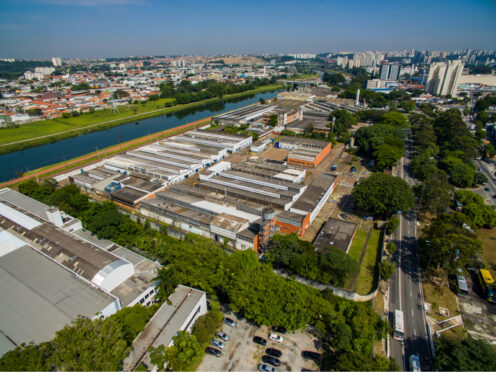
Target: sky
119 28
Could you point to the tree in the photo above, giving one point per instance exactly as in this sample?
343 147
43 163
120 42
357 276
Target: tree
89 345
333 78
344 120
262 101
480 179
29 357
119 93
448 243
392 224
387 269
466 355
460 173
434 194
489 151
383 195
386 156
178 357
206 326
394 118
407 105
273 120
474 207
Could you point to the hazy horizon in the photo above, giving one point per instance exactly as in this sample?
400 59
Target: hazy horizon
122 28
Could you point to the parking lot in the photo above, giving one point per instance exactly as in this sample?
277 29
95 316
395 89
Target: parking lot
242 354
478 315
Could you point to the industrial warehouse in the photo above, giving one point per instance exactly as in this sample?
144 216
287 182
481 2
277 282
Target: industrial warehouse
54 271
187 182
242 204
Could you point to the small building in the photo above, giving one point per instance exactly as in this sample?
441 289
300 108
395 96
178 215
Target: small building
335 233
305 152
244 115
179 313
315 196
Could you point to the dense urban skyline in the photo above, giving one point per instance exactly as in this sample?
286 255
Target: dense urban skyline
104 28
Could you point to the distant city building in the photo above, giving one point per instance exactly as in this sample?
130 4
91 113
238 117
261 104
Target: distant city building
444 77
390 71
303 55
56 61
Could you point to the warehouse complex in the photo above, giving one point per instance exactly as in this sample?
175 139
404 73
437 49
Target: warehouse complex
53 271
243 204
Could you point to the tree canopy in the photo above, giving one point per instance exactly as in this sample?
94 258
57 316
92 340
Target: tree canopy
448 243
299 257
474 207
468 354
383 195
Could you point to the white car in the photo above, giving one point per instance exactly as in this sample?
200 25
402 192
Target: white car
262 367
275 337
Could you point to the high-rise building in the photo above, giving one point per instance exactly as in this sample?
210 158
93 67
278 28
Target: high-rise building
390 71
56 61
443 78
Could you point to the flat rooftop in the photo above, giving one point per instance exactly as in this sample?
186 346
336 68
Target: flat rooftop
39 297
163 325
314 192
127 195
335 233
303 142
245 112
177 212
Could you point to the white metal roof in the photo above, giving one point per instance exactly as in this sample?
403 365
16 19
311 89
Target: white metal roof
18 217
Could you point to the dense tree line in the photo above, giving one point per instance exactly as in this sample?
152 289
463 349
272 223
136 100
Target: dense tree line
447 243
299 257
256 292
13 70
83 345
186 92
468 354
382 142
445 149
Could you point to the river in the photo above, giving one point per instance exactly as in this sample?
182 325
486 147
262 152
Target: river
36 157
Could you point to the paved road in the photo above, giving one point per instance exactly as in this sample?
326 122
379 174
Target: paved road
487 170
405 290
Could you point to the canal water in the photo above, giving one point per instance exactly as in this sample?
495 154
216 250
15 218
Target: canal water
14 163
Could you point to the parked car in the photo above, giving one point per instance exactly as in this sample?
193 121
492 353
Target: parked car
311 355
213 351
276 337
262 367
229 322
217 343
259 340
353 169
273 352
279 329
487 189
223 336
271 360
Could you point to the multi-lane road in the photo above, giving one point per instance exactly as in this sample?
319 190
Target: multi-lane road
405 289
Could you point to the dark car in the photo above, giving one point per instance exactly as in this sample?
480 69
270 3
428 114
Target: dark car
311 355
273 352
271 360
213 351
487 189
353 169
279 329
259 340
229 322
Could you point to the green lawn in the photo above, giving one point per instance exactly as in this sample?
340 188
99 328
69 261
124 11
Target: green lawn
488 255
357 245
367 276
57 127
306 76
